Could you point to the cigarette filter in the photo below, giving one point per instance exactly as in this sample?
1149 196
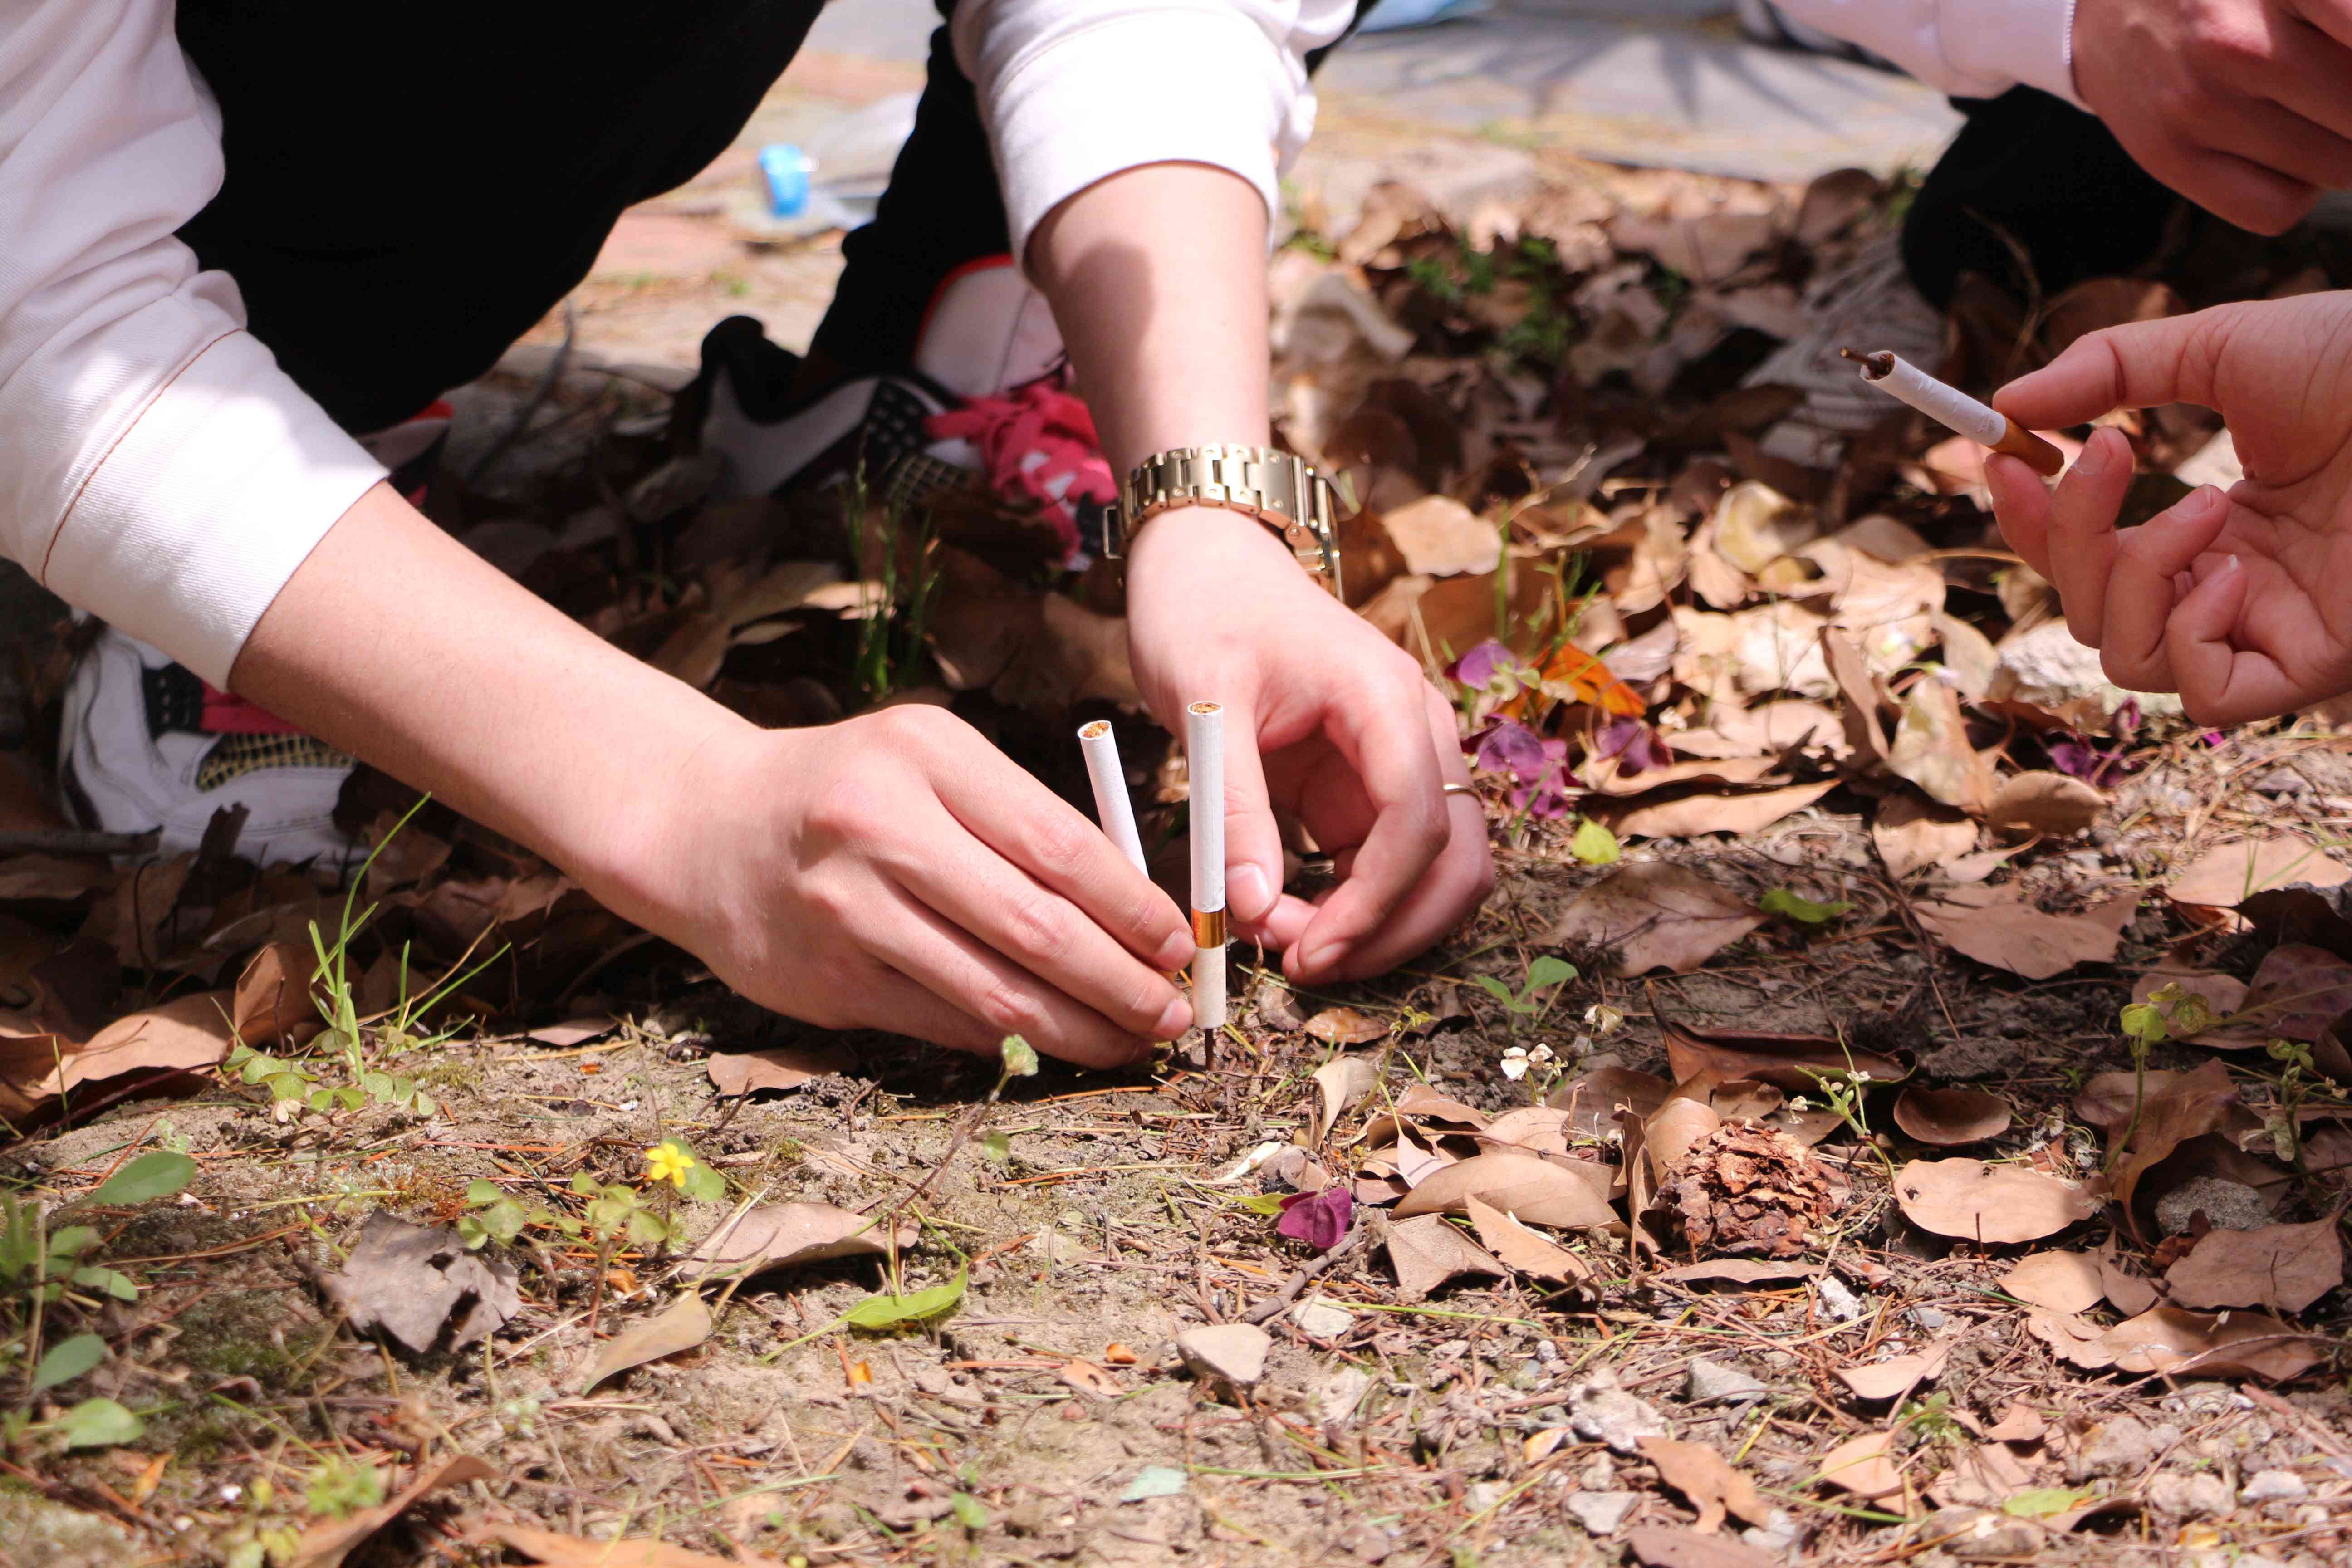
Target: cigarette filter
1204 758
1113 809
1955 410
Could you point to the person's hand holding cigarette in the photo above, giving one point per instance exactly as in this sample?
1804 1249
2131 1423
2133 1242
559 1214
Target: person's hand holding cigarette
2242 601
896 872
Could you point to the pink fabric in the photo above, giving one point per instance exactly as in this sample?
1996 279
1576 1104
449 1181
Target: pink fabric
1037 419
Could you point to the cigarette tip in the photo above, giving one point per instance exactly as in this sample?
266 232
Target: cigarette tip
1095 730
1875 364
1206 709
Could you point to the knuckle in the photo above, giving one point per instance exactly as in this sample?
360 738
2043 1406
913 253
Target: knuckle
1037 930
1007 1007
841 809
1061 843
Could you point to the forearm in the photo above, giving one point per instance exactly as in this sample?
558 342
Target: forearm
396 643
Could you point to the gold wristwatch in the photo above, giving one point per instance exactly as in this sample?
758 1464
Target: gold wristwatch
1278 489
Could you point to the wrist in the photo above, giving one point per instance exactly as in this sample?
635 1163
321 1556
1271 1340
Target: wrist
660 854
1183 539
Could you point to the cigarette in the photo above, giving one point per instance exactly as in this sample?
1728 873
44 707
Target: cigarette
1204 759
1955 410
1113 809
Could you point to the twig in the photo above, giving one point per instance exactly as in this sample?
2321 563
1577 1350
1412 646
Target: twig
1283 1298
75 841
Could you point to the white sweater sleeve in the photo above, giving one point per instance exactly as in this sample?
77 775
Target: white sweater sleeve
1074 90
1969 48
157 467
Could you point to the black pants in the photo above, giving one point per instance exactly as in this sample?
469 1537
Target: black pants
399 212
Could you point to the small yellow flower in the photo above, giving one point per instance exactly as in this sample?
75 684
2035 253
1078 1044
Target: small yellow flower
668 1163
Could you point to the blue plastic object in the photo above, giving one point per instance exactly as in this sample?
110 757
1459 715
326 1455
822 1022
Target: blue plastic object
784 171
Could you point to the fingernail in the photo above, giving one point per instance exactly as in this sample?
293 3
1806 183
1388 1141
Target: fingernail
1175 1019
1175 953
2093 459
2207 498
1247 893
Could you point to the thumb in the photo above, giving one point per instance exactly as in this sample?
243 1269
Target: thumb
2135 365
1252 842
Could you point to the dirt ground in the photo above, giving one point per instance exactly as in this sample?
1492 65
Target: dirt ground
1772 1342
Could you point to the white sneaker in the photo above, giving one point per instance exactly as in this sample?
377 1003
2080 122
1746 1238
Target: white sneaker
147 747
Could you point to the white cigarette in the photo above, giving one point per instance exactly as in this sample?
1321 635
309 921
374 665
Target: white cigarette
1204 759
1113 809
1955 410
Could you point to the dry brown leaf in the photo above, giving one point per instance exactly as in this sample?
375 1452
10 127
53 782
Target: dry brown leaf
37 1063
413 1281
2283 1267
1862 697
1863 1465
51 876
781 1068
326 1544
1793 1063
1655 915
1949 1117
2251 1344
1998 927
1592 1100
1602 774
1537 1128
2044 802
2298 990
1342 1082
2222 994
686 1324
572 1031
558 1550
2105 1098
1739 813
2018 1423
1346 1026
1440 537
1088 1378
2065 1282
1896 1375
1931 749
1671 1129
1656 1547
2188 1106
1523 1251
732 599
134 913
1766 729
2127 1293
1913 834
1988 1204
1428 1251
1708 1480
1755 525
779 1235
1567 1194
2076 1339
1423 1103
2229 875
275 995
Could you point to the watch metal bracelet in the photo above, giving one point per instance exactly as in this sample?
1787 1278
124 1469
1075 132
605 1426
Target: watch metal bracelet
1277 487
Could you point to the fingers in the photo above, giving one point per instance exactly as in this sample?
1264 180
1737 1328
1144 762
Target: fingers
2135 365
1387 743
1022 822
998 996
2081 536
1253 839
2253 196
2220 683
2142 590
2021 501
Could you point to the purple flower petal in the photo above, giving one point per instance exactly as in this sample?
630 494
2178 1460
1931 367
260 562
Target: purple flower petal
1508 746
1634 743
1479 668
1319 1219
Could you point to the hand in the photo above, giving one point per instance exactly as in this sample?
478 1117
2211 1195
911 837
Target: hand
2242 602
1327 719
2243 106
895 871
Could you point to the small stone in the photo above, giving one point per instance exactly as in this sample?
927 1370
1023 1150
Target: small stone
1837 1301
1320 1319
1528 1376
1712 1383
2274 1486
1341 1392
1778 1535
2196 1495
1234 1351
1484 1495
2281 782
1601 1412
1547 1351
1929 1318
1601 1512
2226 1205
1973 1533
2117 1447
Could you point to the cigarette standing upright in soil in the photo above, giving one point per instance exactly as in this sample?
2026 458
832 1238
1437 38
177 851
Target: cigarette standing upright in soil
1204 759
1955 410
1112 807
